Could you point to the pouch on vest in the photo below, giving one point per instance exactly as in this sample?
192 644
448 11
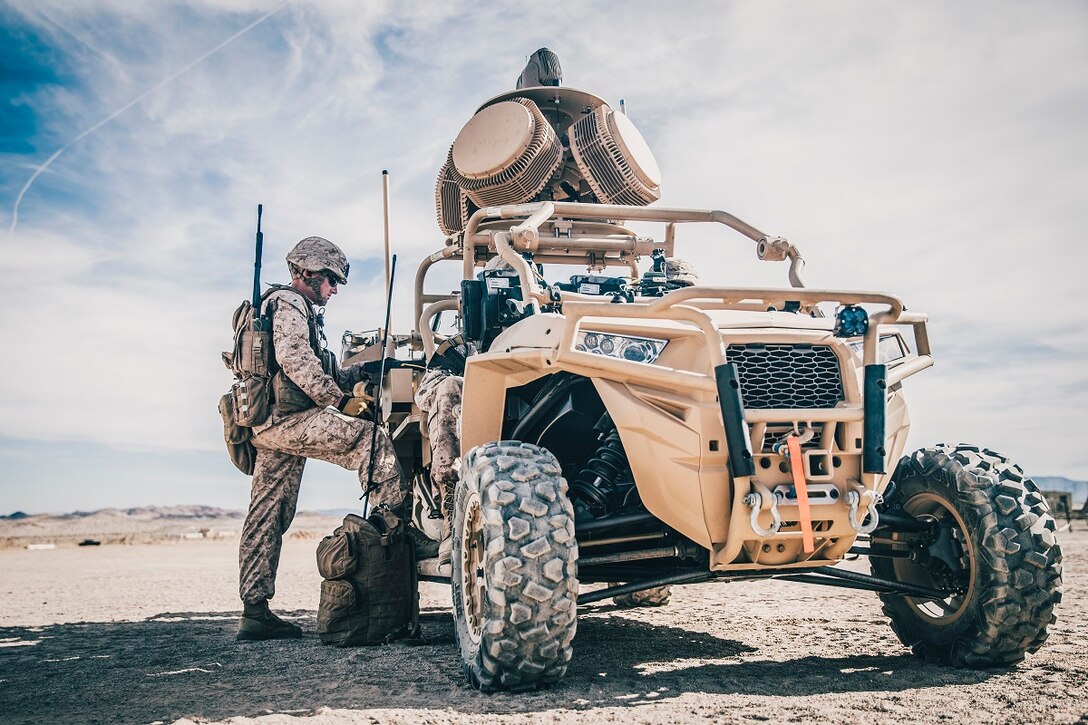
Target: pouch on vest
253 353
287 397
253 362
239 446
370 593
250 400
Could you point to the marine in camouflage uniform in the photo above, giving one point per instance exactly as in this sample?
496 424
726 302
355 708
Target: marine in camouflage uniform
439 399
680 272
306 422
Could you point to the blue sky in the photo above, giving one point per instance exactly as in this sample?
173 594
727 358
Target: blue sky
933 150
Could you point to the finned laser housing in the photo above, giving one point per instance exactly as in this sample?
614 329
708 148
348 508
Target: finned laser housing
544 143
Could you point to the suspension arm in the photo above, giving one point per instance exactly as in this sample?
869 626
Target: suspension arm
893 587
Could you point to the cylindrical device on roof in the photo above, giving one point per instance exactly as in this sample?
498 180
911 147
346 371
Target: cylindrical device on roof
614 158
505 154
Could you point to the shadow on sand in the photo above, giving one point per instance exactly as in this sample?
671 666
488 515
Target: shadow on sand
188 665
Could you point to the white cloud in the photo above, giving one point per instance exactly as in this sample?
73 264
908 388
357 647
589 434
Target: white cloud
935 151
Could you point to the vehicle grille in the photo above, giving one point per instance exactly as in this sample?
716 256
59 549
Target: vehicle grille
787 376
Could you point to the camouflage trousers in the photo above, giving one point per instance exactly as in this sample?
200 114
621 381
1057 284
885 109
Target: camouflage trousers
282 450
439 399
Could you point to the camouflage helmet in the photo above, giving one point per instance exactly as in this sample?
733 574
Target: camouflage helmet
680 272
318 254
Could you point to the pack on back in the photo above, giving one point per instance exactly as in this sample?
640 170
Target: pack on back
370 593
252 362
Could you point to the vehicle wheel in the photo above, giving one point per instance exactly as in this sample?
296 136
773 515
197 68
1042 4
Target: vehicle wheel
514 578
992 542
656 597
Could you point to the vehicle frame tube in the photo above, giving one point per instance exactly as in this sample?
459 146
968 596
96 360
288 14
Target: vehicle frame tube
737 437
873 452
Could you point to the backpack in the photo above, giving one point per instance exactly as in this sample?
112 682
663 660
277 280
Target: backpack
370 593
258 381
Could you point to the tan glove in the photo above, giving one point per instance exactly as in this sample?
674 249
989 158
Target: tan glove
360 402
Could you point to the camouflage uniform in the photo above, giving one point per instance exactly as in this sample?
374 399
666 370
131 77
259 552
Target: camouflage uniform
287 439
680 272
439 399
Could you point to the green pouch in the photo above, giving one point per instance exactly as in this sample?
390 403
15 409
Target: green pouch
249 398
288 397
335 559
238 438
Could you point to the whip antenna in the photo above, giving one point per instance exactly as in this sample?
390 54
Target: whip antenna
388 249
378 387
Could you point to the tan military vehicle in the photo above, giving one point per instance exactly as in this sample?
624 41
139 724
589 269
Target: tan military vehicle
625 428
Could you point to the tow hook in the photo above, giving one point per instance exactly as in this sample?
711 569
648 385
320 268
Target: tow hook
803 436
853 499
792 452
759 500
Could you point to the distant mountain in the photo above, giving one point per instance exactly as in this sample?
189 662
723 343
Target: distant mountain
182 512
1079 489
152 513
141 525
338 513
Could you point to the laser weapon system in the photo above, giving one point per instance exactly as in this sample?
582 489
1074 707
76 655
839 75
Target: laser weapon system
625 428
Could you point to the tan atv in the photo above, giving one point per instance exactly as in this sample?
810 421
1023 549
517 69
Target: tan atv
617 429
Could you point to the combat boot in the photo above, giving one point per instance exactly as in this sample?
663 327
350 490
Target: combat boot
425 546
445 546
259 623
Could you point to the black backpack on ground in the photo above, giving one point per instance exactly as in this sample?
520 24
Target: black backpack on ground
370 593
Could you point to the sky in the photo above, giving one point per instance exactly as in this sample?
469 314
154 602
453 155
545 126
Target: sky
937 151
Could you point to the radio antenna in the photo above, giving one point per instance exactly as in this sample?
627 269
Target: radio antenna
388 249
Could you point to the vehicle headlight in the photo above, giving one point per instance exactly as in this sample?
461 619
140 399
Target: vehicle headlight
889 349
621 347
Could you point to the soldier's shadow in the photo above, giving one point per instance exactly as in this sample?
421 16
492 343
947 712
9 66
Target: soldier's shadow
179 665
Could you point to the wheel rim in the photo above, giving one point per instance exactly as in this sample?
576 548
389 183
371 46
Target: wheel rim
931 507
473 587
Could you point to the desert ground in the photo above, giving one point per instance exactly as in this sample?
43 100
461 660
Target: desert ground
144 632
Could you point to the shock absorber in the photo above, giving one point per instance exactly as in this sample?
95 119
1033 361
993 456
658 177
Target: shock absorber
597 482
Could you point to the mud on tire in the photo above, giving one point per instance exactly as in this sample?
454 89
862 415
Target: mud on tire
514 579
998 529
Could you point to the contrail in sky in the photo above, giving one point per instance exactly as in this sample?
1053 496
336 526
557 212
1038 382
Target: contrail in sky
38 171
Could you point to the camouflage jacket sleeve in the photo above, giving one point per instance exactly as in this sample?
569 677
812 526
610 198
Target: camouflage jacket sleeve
291 339
347 377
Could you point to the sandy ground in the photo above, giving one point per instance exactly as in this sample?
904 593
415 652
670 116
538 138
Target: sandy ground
144 633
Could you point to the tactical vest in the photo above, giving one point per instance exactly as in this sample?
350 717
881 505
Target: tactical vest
261 386
287 397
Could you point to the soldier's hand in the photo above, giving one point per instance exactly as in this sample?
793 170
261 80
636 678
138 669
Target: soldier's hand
359 403
355 374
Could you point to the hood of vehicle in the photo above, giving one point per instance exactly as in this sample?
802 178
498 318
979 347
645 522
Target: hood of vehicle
740 319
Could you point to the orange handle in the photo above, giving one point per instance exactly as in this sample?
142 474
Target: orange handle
797 466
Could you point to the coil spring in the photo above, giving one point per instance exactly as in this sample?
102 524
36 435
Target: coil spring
597 481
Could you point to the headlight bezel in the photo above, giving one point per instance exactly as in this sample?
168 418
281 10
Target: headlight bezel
627 348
